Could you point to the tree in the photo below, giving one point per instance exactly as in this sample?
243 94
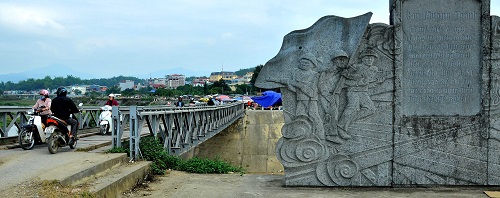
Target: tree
242 72
205 88
242 89
221 86
77 92
255 74
129 92
113 90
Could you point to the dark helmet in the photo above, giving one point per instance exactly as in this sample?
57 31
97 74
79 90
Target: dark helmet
61 91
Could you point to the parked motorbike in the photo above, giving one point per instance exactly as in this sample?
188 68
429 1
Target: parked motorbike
33 131
58 134
105 121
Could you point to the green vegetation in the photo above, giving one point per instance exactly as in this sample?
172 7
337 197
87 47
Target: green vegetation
255 74
152 150
243 72
16 102
54 83
219 87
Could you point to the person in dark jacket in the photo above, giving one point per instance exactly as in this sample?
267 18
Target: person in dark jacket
62 107
111 101
179 102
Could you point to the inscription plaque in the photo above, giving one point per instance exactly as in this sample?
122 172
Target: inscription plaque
442 58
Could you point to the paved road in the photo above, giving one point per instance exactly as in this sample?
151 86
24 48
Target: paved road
18 165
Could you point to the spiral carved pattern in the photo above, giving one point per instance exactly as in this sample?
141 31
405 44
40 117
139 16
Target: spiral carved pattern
340 171
298 128
309 150
346 169
295 153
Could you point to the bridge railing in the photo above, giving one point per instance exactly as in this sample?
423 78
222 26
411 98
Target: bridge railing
13 117
179 129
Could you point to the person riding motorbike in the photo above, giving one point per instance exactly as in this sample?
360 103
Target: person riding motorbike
63 107
112 101
44 104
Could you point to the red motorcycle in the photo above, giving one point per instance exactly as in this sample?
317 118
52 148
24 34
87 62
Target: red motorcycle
58 134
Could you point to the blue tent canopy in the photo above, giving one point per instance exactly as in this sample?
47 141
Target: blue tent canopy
268 98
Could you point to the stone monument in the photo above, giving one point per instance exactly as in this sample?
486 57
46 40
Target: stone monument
416 102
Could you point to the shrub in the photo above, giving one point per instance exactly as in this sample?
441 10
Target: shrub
152 150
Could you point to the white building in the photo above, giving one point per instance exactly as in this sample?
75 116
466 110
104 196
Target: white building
127 84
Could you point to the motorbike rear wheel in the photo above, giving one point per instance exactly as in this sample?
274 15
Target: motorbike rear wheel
103 129
26 139
53 143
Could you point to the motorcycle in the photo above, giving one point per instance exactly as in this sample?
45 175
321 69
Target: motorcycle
58 134
33 131
105 121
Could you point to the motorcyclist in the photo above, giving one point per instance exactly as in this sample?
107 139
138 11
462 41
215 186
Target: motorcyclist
44 104
192 102
63 107
111 101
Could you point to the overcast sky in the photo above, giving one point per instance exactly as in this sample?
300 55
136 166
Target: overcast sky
111 38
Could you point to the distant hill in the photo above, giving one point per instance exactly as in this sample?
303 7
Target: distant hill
183 71
242 72
52 71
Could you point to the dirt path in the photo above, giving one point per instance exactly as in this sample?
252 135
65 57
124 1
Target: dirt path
181 184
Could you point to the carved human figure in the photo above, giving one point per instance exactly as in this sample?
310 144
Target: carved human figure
329 89
359 104
304 83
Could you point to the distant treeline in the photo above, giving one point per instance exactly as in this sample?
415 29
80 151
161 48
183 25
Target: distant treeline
54 83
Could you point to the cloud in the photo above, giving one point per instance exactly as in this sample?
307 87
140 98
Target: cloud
29 20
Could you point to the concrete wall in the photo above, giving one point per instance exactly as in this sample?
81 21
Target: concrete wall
250 142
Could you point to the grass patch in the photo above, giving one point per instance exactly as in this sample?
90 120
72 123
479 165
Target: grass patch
53 189
152 150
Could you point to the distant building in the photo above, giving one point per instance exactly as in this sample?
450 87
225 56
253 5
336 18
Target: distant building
224 75
77 89
95 88
127 84
200 82
157 86
176 80
160 81
247 77
103 88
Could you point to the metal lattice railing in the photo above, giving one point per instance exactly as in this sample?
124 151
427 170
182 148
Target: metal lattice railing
13 117
179 129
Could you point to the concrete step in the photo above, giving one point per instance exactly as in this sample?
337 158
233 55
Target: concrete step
115 181
107 175
71 173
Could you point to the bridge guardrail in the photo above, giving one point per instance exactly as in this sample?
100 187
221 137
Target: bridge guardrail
178 128
13 117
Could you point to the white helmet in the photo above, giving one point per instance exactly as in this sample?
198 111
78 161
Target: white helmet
112 95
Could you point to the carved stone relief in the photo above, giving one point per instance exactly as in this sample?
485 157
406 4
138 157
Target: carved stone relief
386 105
335 95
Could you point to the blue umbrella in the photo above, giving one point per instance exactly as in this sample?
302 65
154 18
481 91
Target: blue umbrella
268 98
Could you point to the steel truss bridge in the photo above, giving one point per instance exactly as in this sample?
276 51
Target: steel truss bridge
178 128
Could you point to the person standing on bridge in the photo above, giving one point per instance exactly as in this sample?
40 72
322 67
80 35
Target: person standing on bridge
63 107
44 104
112 101
179 102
